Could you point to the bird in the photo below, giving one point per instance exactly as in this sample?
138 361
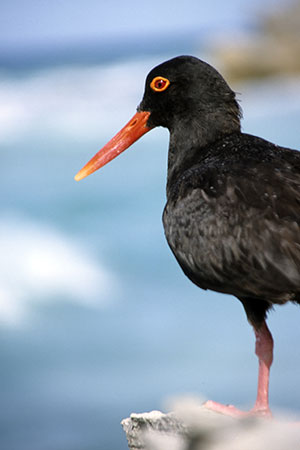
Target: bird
232 214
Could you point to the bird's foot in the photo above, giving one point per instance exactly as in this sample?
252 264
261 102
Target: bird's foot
230 410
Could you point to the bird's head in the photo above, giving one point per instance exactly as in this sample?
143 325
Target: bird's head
184 89
181 93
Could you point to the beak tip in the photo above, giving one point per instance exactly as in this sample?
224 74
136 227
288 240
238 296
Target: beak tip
78 176
83 173
130 133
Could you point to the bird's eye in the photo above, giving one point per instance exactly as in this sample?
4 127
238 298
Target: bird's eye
159 84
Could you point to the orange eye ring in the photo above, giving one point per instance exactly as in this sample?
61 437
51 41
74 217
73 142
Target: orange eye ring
159 84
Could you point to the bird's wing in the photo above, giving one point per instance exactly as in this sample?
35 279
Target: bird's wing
239 232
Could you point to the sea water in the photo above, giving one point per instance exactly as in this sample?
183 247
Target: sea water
96 318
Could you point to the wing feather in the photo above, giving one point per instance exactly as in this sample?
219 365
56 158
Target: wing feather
238 231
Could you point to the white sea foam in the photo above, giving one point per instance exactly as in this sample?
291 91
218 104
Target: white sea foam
39 263
70 101
86 101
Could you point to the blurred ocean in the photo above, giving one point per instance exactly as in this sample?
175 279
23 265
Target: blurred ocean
96 318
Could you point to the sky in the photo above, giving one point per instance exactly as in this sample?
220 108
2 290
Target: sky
48 22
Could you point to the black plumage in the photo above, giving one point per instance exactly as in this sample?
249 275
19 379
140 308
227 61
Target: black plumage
233 200
232 221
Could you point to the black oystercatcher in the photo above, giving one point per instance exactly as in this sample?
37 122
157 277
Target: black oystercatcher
233 200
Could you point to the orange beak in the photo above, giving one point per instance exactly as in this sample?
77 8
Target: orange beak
132 131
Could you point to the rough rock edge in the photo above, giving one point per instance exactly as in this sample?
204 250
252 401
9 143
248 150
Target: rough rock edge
138 426
193 427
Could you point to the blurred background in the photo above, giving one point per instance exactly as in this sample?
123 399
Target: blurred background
96 318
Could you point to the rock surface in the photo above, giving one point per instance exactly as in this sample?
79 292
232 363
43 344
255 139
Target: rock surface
193 427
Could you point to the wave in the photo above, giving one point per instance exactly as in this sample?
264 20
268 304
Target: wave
91 102
71 102
39 263
262 97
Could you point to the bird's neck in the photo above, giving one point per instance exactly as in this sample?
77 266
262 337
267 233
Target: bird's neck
188 145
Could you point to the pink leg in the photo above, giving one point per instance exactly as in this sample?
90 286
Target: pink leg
264 352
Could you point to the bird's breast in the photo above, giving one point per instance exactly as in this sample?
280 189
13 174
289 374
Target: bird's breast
198 231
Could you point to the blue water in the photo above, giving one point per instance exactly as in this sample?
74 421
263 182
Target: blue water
96 318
